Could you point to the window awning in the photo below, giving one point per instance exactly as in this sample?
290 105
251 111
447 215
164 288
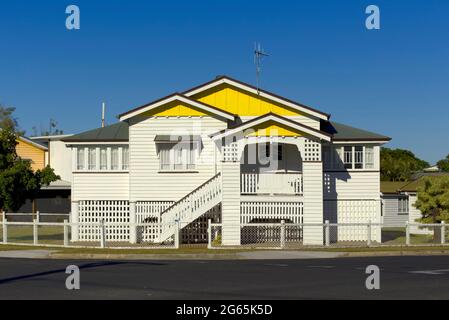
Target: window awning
176 138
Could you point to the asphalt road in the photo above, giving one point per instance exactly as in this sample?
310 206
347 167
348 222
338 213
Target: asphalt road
400 278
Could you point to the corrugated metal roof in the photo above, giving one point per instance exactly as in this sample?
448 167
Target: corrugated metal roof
342 132
118 132
392 186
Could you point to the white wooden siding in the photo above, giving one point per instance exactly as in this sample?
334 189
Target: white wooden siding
313 202
391 216
147 183
351 185
100 186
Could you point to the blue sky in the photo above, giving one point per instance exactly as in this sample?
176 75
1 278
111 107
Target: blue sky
394 81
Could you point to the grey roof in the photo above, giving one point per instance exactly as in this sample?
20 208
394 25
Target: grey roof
342 132
419 175
118 132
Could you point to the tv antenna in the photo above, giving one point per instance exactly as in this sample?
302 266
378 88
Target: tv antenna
259 54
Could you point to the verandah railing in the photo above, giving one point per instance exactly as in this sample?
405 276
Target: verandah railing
272 183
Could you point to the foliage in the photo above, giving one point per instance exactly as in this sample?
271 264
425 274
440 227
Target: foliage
433 199
51 131
399 164
18 182
7 121
443 165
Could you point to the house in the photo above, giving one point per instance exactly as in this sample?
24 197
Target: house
399 198
32 151
42 152
226 151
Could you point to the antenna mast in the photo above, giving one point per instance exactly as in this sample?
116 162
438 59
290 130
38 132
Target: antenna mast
259 54
103 114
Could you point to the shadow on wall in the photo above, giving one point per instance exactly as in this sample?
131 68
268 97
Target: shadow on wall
330 193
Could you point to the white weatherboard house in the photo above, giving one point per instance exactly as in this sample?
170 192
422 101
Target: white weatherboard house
229 152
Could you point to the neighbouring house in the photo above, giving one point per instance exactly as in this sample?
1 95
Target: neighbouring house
399 198
42 152
229 152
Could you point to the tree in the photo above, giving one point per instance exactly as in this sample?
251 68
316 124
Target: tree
51 131
433 199
18 182
443 165
7 120
399 164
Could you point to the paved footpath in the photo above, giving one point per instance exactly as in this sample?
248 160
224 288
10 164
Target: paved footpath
338 278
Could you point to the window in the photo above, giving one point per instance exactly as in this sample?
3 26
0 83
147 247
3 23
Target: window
114 159
358 157
403 205
92 163
177 157
369 157
347 160
125 158
103 159
355 157
80 159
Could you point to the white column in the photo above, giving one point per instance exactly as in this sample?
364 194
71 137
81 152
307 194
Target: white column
231 203
75 219
132 221
313 202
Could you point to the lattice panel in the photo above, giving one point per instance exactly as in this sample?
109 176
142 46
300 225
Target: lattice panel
312 151
231 152
272 212
109 212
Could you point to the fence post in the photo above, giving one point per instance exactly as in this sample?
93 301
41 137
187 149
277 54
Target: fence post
282 234
443 232
66 233
209 234
38 216
3 216
177 234
102 234
132 223
368 240
35 232
407 233
327 238
5 230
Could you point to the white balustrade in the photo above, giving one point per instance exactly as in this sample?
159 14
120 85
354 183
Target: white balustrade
272 183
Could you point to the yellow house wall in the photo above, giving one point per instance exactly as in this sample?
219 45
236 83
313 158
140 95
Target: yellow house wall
29 152
242 103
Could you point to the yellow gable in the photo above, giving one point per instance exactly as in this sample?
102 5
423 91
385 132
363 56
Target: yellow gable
242 103
272 129
175 109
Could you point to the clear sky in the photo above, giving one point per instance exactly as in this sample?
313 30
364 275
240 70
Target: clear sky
394 81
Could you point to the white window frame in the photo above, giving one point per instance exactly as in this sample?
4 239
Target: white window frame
403 205
98 158
180 158
350 159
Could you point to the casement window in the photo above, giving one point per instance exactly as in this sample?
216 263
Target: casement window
357 157
347 157
92 159
114 158
178 156
403 205
369 157
125 158
80 159
103 159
